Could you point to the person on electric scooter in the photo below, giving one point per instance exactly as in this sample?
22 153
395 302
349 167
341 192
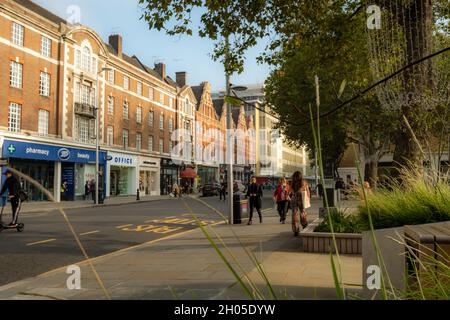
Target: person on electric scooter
13 186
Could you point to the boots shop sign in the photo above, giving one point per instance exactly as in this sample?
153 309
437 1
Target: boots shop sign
37 151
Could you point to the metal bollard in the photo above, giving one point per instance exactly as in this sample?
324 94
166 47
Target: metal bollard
138 198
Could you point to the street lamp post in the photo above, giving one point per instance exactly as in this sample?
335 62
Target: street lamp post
97 136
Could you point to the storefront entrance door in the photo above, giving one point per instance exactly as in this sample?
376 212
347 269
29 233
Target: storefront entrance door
114 180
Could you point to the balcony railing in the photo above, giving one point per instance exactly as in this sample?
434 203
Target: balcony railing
84 109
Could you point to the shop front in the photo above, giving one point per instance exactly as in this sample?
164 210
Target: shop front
122 174
169 176
188 175
61 170
149 175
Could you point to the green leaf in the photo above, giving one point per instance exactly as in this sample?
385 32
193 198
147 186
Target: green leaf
342 88
233 101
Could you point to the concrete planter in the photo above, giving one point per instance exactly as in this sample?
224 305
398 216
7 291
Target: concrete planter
393 255
322 242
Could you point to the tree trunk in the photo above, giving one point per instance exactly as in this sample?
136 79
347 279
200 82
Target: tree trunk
372 170
415 17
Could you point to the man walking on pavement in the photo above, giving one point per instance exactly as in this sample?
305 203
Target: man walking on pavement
223 191
13 186
255 193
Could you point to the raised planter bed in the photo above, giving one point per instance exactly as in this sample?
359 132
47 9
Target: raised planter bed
322 242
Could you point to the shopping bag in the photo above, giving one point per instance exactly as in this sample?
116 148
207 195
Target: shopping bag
306 200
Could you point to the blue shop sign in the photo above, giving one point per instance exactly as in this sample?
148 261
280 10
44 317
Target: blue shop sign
35 151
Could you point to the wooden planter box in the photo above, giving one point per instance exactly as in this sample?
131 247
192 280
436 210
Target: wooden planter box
322 242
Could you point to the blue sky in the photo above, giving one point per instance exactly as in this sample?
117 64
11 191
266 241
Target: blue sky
179 53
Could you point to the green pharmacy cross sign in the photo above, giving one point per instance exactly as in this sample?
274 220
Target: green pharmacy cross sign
11 149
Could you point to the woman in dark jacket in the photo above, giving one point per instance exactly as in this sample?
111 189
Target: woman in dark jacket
255 194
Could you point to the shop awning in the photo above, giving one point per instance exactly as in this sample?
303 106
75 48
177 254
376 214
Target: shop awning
188 173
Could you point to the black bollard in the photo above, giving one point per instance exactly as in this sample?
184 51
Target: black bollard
138 198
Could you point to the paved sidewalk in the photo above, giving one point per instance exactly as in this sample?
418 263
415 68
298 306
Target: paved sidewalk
45 206
186 266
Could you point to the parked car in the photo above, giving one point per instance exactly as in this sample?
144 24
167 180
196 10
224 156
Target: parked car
210 189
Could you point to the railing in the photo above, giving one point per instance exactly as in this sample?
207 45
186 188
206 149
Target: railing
85 109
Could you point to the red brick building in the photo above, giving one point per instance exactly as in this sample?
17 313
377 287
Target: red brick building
58 75
207 132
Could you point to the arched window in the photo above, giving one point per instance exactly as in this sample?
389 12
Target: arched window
86 59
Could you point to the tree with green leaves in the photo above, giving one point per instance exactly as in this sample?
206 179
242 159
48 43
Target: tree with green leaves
338 56
291 24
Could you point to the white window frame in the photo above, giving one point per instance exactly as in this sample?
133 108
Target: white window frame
125 138
139 115
111 76
110 136
139 88
44 84
17 34
151 143
46 47
126 82
151 94
43 122
161 97
14 117
161 145
111 103
138 141
151 119
161 121
83 129
126 110
15 75
170 124
86 62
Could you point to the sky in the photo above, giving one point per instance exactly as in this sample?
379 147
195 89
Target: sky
179 53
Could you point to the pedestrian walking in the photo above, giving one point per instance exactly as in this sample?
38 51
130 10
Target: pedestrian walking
320 190
92 189
13 186
255 193
223 191
281 197
64 190
176 190
87 190
297 204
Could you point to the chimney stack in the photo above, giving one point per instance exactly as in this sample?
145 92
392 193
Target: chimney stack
161 69
181 78
116 42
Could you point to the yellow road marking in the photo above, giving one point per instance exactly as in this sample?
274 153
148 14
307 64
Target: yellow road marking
118 252
40 242
154 220
90 232
124 226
